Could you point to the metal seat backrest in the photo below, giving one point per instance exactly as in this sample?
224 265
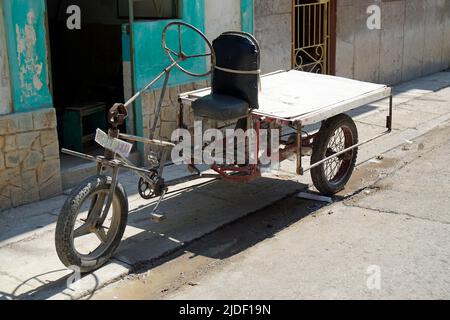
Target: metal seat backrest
237 69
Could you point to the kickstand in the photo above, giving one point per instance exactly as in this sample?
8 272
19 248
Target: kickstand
157 215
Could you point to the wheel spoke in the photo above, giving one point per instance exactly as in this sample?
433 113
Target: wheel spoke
341 140
330 174
101 234
85 229
93 216
337 143
96 209
172 51
332 141
199 55
328 169
335 171
332 167
102 219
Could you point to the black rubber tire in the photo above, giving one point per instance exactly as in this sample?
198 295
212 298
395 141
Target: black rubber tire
67 217
320 148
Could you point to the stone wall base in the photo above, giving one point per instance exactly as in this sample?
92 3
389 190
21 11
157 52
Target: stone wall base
29 158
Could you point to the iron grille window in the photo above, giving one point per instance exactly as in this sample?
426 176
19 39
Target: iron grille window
149 9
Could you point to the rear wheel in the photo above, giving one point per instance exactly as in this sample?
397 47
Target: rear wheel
85 236
335 135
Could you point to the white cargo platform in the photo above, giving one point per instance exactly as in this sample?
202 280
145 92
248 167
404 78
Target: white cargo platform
308 98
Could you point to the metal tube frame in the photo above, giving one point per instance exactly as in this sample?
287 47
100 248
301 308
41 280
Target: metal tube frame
124 163
102 162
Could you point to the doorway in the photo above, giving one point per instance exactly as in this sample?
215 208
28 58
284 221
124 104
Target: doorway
87 69
314 30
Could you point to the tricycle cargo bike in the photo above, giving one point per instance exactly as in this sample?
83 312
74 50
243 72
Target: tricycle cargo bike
92 222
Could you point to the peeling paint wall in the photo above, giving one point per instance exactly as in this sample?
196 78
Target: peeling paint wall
28 54
5 87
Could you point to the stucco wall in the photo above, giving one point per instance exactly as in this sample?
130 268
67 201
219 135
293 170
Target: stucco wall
414 40
221 16
5 89
273 25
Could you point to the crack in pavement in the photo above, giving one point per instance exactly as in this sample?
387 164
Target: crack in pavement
396 213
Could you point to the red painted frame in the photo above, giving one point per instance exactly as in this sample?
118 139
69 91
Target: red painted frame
252 171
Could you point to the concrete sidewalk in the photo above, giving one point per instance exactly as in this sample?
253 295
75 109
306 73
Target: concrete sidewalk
30 269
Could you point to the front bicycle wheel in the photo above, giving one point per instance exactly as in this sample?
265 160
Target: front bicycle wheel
86 236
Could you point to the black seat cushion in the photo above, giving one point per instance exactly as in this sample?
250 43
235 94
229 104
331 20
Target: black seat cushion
237 51
220 107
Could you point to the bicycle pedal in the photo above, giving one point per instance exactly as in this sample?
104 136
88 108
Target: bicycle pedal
157 217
